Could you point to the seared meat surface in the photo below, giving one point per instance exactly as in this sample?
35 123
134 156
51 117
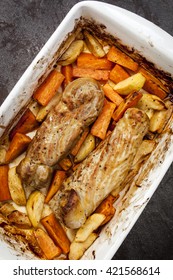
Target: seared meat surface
80 105
102 171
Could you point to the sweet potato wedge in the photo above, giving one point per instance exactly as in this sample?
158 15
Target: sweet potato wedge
112 94
26 123
119 57
76 148
87 60
100 126
67 71
56 232
65 163
4 188
106 207
118 74
48 88
17 146
90 73
130 101
46 244
55 185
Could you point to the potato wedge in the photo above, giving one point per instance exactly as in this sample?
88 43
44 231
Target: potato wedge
15 187
145 148
86 148
72 53
34 207
132 84
44 110
150 101
94 45
91 224
77 249
159 120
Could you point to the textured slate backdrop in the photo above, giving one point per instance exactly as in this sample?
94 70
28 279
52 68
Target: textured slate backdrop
25 26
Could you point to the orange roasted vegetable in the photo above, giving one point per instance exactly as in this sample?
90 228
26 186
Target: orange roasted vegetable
119 57
17 146
26 123
100 126
106 208
76 148
112 94
91 73
46 244
55 185
48 88
118 74
4 189
130 101
67 71
87 60
56 232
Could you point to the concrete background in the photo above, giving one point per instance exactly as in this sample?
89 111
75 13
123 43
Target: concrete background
25 26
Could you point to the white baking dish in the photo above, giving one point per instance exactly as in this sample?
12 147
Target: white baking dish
152 43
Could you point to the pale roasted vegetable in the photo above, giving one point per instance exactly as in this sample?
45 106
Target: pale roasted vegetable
34 207
15 187
150 101
91 224
94 45
72 53
6 209
159 120
77 249
132 84
146 147
86 148
44 110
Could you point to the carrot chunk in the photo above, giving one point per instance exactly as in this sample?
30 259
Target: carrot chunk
46 244
106 208
91 73
26 123
67 71
4 188
76 148
55 185
100 126
56 232
119 57
130 101
112 94
87 60
17 146
118 74
48 88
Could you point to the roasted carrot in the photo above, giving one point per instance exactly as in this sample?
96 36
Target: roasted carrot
106 208
100 126
46 244
130 101
17 146
67 71
26 123
4 188
119 57
65 163
151 77
87 60
76 148
56 232
153 88
55 185
48 88
118 74
91 73
112 94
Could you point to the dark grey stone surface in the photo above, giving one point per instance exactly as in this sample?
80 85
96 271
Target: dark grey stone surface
25 26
